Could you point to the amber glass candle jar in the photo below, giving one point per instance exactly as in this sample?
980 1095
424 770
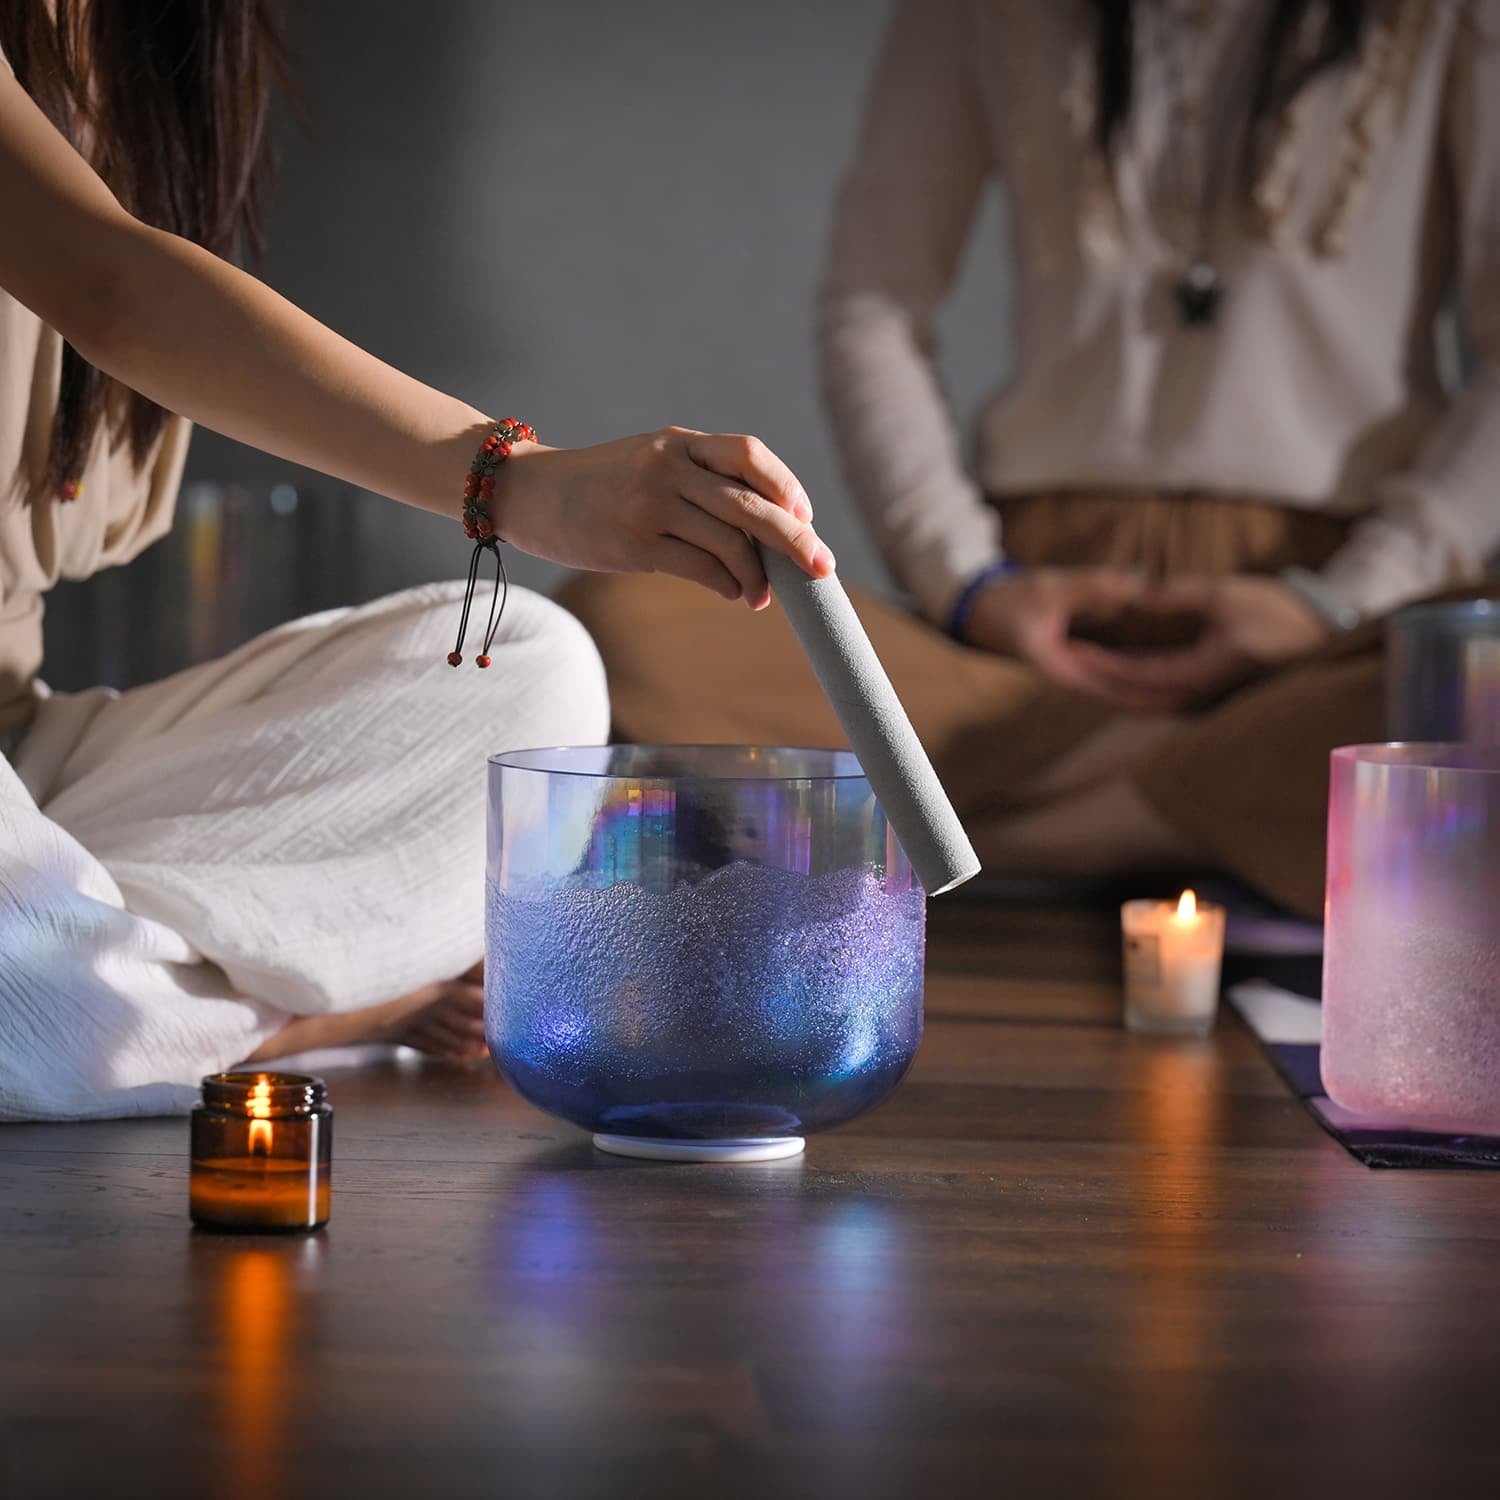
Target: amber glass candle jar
262 1152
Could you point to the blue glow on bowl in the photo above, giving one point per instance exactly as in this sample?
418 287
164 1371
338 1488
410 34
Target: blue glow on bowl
755 1001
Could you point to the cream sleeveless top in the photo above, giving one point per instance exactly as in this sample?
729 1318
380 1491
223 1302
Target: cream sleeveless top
121 509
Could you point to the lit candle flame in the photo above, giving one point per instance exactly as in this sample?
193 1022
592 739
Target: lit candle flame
261 1130
1187 907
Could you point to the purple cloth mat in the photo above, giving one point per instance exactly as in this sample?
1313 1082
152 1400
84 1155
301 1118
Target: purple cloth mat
1374 1144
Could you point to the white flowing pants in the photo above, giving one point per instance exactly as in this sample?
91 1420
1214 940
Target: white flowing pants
296 828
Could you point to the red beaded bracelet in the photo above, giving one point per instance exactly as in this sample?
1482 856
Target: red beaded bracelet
479 527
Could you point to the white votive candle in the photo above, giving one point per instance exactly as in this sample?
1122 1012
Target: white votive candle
1173 953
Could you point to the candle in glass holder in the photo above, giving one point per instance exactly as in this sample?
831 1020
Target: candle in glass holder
261 1152
1173 954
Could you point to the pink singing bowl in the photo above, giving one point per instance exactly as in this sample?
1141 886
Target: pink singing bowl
1411 969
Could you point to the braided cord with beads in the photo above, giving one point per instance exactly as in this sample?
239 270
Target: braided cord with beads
479 527
479 487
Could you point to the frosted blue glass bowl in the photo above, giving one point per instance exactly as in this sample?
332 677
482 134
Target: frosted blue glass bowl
698 951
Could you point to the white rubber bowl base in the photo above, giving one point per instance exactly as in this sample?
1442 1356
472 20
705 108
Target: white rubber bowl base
648 1149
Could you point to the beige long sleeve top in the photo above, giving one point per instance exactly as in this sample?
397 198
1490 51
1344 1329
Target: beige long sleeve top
1319 384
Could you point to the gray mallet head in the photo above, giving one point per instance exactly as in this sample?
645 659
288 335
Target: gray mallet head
879 731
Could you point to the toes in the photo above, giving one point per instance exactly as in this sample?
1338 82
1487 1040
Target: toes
442 1039
464 1004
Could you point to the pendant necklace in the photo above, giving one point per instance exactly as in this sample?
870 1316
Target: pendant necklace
1199 289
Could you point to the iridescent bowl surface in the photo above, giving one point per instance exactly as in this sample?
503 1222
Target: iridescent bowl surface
1411 958
1443 672
698 943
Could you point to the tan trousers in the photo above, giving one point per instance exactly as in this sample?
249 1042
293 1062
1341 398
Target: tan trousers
1245 781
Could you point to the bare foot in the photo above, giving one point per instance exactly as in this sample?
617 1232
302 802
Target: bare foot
444 1020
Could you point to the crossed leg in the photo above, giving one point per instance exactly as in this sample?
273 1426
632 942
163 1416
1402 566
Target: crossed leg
281 849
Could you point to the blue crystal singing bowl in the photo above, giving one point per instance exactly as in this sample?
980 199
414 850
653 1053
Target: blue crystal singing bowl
698 944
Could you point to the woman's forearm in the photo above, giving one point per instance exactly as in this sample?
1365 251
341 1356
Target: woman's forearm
902 218
1436 522
204 339
244 361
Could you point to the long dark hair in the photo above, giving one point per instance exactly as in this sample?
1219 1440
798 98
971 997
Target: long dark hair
168 100
1281 77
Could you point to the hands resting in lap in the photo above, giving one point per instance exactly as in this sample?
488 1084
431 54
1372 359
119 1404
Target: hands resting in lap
1214 633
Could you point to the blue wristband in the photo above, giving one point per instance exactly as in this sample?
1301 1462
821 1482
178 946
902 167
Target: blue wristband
957 623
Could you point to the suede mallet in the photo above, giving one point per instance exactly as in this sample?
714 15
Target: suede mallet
881 734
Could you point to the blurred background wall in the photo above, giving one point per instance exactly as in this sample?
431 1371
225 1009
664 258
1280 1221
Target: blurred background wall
601 217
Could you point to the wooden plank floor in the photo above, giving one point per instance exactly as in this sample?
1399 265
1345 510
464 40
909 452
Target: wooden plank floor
1061 1260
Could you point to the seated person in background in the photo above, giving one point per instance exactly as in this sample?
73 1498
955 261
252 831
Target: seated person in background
1225 448
285 848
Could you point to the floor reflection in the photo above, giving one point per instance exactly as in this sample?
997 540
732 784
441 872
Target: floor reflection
256 1328
1172 1324
683 1311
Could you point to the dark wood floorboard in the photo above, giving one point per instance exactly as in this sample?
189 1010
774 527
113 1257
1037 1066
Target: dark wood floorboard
1060 1261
